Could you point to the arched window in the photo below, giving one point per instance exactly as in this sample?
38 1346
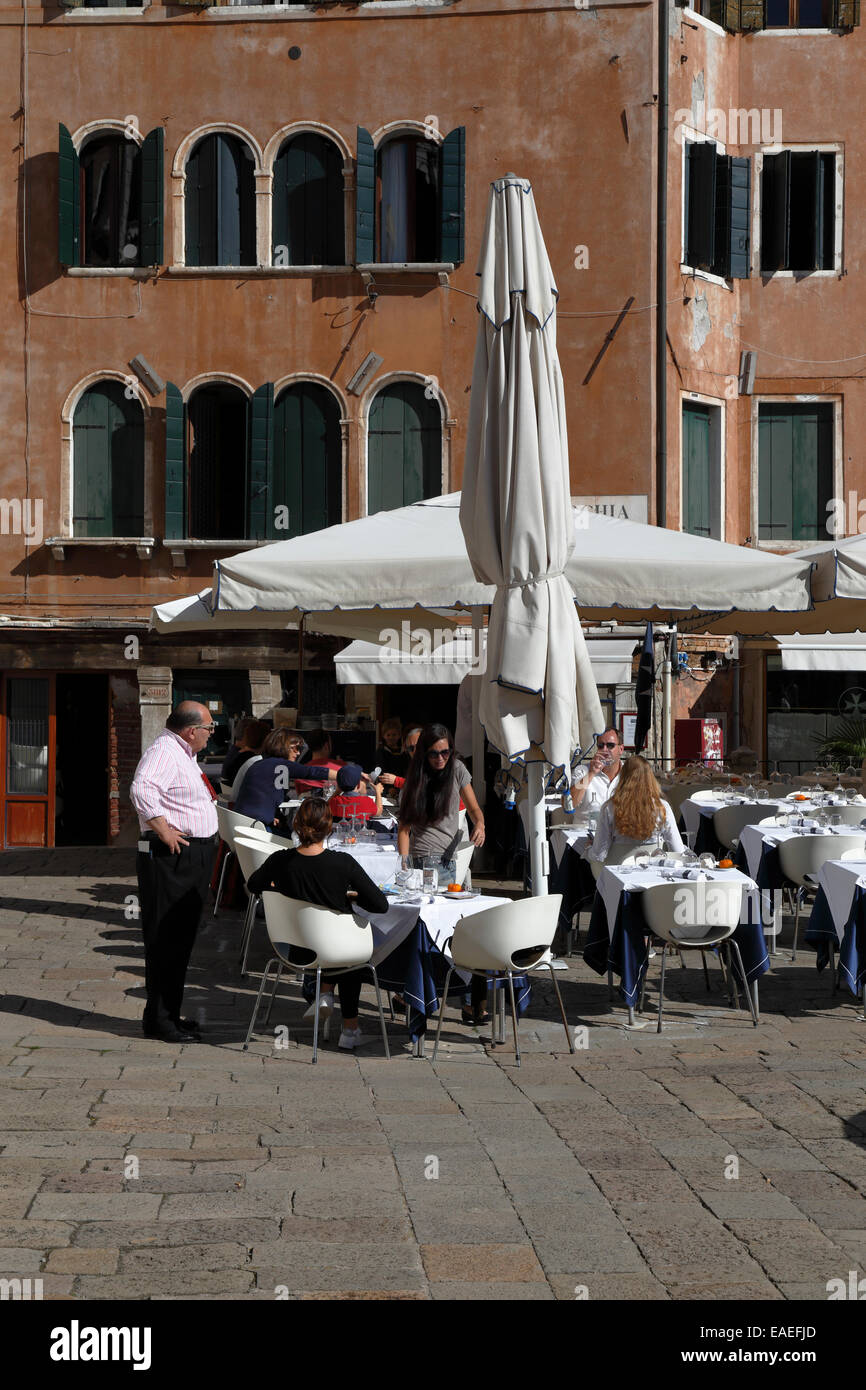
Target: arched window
110 201
220 203
308 224
404 448
107 463
307 461
410 199
217 462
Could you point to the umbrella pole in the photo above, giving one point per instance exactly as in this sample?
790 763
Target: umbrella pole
537 828
301 665
479 782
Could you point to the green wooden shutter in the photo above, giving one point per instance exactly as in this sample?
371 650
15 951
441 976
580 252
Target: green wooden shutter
701 204
108 463
696 506
69 214
152 182
775 454
846 14
751 15
811 470
776 211
365 199
738 217
453 196
175 464
261 499
730 16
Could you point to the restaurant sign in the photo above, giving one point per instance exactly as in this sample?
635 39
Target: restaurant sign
623 506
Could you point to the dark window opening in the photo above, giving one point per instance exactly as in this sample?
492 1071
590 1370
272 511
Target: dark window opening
217 476
409 214
110 202
220 203
798 211
799 14
308 219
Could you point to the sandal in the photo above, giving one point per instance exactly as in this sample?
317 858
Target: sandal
474 1017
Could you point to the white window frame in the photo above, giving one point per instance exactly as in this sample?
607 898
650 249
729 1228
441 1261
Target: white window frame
710 24
837 148
802 398
717 459
691 136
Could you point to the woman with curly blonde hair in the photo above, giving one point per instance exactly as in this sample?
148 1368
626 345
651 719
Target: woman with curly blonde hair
634 815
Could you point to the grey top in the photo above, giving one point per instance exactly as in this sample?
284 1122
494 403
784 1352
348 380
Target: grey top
433 839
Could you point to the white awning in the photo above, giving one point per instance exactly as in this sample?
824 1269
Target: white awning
845 651
367 663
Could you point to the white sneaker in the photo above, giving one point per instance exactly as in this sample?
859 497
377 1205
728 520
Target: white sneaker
326 1006
350 1038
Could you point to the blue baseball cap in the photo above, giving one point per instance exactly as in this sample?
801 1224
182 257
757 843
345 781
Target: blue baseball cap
349 776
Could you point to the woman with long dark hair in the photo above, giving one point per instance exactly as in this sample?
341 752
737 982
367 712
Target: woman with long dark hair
429 818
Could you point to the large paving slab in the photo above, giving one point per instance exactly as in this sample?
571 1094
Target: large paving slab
712 1161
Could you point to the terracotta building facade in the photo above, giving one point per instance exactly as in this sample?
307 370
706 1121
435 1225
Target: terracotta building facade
238 275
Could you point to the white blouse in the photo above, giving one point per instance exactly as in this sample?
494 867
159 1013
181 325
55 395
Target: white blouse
607 835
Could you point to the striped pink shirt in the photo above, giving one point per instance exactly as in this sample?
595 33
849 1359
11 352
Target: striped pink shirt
168 782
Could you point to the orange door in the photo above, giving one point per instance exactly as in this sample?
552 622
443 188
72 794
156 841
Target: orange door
27 748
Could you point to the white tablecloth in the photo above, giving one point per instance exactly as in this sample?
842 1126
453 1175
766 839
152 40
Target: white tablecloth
840 878
379 862
692 810
753 838
563 837
614 881
440 915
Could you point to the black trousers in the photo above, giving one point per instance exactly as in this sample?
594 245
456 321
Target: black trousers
173 890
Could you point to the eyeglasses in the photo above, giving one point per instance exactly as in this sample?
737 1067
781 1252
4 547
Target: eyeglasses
608 745
439 753
209 727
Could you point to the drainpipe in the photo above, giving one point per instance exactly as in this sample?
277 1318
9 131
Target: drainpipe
662 269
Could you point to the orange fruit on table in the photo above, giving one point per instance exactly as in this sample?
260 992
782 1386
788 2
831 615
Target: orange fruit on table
455 888
801 797
726 863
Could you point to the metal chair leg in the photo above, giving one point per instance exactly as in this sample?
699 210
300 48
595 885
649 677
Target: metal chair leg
316 1018
442 1010
219 892
662 986
706 972
265 975
253 909
274 993
381 1014
561 1007
752 1009
513 1014
733 992
796 924
500 1032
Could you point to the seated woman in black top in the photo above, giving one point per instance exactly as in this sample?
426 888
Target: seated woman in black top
265 786
313 874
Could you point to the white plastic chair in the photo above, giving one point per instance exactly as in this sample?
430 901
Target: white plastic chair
228 822
252 853
622 853
462 859
848 815
730 820
801 857
666 904
331 941
241 774
226 790
505 941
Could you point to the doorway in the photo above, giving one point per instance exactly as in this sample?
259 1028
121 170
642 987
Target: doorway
81 791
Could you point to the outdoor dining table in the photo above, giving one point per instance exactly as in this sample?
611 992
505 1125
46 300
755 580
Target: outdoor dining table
618 930
838 921
411 951
696 814
571 874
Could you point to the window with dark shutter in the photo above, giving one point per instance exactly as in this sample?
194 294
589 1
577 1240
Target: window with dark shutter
365 199
175 464
261 463
717 203
307 467
152 181
217 468
451 248
308 221
220 203
110 233
68 199
404 448
107 463
798 211
795 471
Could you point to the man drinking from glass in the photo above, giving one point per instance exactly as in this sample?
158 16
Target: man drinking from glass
602 777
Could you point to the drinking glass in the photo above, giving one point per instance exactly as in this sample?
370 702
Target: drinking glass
641 859
430 871
707 861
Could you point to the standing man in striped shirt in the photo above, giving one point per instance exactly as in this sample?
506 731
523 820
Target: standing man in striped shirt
176 811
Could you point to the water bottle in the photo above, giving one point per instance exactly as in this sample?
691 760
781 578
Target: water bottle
568 802
467 881
510 796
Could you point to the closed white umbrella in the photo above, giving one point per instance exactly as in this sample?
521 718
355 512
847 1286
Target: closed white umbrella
538 698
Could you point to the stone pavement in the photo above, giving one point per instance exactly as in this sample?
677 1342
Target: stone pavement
714 1161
